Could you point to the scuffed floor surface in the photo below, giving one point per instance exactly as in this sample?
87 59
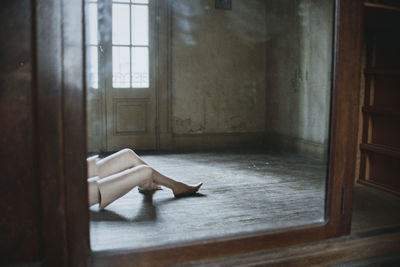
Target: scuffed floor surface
242 192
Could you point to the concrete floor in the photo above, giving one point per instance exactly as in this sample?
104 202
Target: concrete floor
242 192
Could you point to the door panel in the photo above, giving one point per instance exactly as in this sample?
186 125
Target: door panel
130 92
128 124
122 111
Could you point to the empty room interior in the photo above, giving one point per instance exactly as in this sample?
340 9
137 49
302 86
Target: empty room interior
200 133
233 94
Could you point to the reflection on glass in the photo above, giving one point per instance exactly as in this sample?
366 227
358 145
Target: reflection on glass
130 29
121 67
249 88
92 24
120 24
140 67
140 25
92 48
93 78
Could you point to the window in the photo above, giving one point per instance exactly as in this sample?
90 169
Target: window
93 46
130 44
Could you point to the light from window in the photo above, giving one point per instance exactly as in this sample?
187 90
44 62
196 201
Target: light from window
140 25
140 67
120 24
93 67
130 40
121 67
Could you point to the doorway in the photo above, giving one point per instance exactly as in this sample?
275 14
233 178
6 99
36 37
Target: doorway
121 95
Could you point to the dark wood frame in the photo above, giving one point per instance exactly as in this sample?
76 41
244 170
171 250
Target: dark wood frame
57 44
378 21
60 109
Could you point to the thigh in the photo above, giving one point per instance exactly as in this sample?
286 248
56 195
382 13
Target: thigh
117 162
91 163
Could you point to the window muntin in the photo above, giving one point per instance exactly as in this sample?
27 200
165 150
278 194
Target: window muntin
130 44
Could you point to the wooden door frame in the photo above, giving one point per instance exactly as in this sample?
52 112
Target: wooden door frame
61 135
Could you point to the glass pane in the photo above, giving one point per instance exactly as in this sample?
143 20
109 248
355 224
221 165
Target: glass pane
123 1
92 24
140 25
120 24
260 73
121 67
93 73
140 67
140 1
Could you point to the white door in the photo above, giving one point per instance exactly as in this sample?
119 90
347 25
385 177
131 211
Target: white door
127 73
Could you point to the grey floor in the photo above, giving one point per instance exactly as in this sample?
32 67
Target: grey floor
242 192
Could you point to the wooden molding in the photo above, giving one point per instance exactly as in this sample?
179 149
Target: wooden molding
190 142
383 247
380 6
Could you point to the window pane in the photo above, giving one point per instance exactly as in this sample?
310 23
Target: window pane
140 67
140 1
120 24
140 25
92 24
123 1
121 67
93 77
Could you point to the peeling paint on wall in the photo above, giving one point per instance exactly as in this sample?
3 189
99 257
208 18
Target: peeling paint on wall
265 66
299 69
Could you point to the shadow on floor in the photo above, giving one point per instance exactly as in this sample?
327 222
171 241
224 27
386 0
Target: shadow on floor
146 213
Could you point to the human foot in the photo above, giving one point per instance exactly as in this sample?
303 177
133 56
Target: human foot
182 190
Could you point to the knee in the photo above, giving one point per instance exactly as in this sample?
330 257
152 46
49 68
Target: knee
126 154
127 151
146 170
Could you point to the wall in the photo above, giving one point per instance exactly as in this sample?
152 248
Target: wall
264 66
218 68
299 56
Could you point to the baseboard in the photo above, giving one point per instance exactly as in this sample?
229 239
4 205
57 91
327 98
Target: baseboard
296 145
368 249
199 142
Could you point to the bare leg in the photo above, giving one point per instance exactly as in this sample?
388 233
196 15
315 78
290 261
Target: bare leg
126 158
92 169
115 186
117 162
109 189
93 190
179 189
105 191
121 172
